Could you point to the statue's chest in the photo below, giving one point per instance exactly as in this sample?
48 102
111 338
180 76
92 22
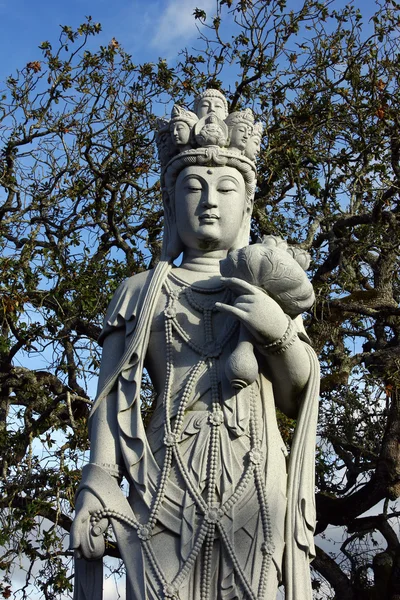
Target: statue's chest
191 311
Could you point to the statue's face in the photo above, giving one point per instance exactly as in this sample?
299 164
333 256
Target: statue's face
211 105
180 133
210 206
239 136
253 147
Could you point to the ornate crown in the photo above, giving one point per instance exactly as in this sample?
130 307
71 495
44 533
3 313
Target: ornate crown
209 135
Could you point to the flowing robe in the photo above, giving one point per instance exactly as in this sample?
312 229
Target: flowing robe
179 518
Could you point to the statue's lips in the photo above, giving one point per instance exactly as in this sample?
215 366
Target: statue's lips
208 218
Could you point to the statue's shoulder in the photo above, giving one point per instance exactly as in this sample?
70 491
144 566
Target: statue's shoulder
126 303
135 284
132 289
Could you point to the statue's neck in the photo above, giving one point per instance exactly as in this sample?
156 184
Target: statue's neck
204 262
201 268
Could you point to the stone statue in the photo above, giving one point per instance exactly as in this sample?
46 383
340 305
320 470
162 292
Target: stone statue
211 102
211 131
181 125
216 509
240 126
253 146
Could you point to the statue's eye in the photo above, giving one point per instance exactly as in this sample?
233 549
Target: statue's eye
226 188
227 184
193 186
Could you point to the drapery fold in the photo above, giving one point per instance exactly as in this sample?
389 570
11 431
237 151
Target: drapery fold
127 309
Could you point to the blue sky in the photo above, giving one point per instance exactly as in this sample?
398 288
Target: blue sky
146 30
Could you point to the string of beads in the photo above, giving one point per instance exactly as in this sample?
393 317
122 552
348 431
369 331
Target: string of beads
213 512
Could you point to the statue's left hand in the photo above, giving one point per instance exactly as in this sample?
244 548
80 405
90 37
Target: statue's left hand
83 539
260 314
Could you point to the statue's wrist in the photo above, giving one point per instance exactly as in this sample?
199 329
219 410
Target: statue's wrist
282 344
112 469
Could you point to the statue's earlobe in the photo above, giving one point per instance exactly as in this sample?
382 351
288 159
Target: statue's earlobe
172 244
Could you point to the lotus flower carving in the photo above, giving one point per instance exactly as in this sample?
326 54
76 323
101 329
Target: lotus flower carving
276 268
279 270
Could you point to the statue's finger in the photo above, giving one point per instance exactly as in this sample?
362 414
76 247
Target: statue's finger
232 310
92 546
239 286
100 527
244 299
74 537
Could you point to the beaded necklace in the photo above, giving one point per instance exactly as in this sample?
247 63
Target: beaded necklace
200 301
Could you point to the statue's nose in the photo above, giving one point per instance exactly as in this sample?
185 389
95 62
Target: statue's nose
210 199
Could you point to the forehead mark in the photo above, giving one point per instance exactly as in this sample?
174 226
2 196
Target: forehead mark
233 174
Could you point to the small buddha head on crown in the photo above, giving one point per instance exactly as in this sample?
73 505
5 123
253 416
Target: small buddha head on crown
165 147
253 146
211 131
181 126
213 151
211 102
240 125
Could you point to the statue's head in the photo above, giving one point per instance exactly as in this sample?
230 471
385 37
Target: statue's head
253 146
240 125
208 178
211 102
180 126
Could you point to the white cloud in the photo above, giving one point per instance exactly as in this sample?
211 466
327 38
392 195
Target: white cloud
176 24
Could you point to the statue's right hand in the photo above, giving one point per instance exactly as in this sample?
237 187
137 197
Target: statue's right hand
87 543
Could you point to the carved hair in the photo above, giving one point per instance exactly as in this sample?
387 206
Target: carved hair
258 130
179 113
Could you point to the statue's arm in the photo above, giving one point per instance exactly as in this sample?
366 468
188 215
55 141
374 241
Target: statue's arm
104 450
120 321
289 372
275 336
104 439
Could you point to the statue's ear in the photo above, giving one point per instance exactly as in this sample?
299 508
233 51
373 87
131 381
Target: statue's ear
243 236
172 244
252 197
249 204
169 207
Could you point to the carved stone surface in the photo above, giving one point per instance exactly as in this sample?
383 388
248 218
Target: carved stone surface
214 499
